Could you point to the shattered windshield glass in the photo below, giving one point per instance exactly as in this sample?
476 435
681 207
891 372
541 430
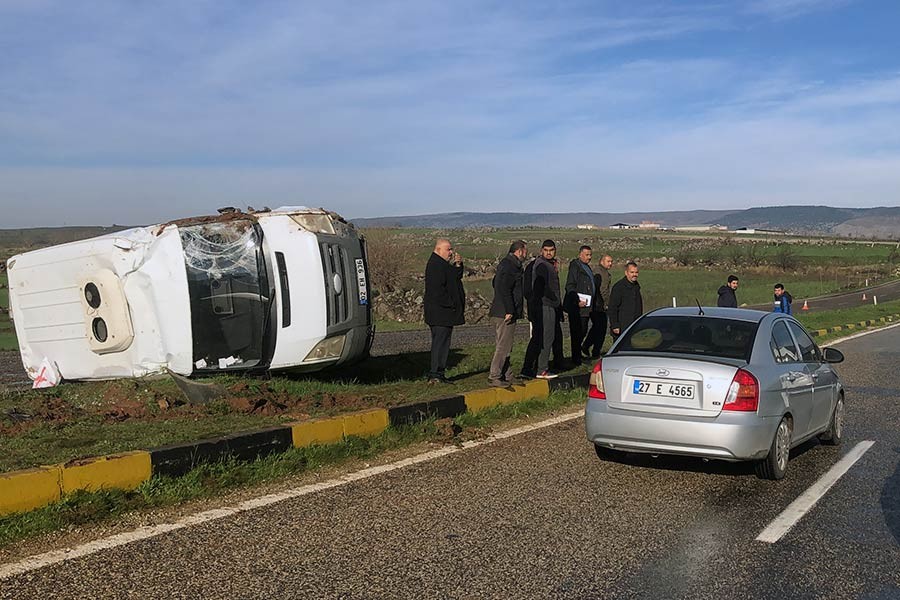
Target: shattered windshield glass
229 293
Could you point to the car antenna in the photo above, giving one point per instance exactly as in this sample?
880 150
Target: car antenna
697 300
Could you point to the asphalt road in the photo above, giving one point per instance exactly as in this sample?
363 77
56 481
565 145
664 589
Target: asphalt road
537 515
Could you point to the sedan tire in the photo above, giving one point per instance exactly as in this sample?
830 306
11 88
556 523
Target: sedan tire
775 464
835 432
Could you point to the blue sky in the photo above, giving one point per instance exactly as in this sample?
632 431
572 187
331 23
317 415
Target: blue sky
138 112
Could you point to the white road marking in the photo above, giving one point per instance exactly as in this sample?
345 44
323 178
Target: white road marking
142 533
799 507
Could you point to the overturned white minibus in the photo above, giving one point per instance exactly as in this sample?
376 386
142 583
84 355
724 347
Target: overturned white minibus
283 289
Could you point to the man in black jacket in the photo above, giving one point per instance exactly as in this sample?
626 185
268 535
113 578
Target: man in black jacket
727 296
625 302
593 343
506 309
546 297
444 304
581 293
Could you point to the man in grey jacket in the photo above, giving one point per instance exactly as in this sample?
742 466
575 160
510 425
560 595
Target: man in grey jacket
506 309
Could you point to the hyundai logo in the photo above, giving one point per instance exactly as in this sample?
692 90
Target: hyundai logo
338 284
662 372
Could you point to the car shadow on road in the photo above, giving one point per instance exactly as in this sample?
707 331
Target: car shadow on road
667 462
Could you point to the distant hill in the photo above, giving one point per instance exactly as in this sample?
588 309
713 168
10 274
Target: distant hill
509 219
883 222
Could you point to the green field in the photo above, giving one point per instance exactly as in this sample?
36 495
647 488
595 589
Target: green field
688 266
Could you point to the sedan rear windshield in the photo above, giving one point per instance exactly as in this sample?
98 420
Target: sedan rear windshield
706 336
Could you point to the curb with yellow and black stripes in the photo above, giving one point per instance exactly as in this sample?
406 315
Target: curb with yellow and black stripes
29 489
852 326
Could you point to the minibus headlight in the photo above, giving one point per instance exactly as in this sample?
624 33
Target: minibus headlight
327 348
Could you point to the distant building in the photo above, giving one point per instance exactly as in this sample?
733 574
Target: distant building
701 228
648 225
622 226
586 226
755 231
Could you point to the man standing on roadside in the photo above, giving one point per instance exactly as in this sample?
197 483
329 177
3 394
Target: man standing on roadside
581 294
783 300
625 301
546 295
444 304
593 343
506 309
727 295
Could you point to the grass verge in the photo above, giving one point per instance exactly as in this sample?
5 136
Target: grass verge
833 318
89 419
212 479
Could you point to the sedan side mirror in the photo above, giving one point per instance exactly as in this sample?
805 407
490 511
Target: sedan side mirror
833 355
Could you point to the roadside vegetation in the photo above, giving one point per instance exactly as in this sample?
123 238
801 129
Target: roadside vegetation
845 316
77 420
214 479
688 267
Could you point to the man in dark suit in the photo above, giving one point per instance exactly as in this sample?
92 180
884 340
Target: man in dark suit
444 304
581 293
625 301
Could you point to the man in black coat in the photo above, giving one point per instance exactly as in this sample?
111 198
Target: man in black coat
581 293
625 302
506 308
547 302
593 343
727 296
444 304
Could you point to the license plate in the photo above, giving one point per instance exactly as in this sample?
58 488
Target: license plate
648 387
361 281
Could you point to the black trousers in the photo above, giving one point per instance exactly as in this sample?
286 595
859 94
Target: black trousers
536 342
578 329
593 342
440 350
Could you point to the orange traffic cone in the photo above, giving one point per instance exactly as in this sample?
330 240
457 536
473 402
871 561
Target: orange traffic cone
805 305
864 297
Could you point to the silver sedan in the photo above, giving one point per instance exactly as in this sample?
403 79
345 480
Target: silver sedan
721 383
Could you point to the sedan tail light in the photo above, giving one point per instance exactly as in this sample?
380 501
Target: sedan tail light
743 394
595 390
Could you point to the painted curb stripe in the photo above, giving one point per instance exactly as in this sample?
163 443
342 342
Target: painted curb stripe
317 431
177 459
442 408
849 326
123 471
29 489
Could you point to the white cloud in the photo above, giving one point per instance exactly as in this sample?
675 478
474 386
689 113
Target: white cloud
788 9
149 112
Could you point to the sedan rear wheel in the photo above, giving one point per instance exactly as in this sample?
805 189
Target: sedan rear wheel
835 432
775 464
